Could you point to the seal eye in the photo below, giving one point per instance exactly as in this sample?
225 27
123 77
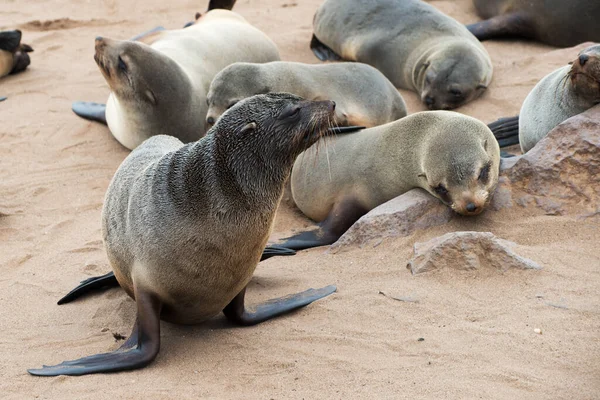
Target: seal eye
455 92
484 174
441 190
122 65
290 112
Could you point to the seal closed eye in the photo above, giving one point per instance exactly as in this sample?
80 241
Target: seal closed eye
184 226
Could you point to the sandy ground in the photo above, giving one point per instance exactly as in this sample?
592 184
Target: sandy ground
478 327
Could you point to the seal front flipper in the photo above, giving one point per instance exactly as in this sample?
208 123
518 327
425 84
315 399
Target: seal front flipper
345 129
90 111
146 332
502 26
237 313
90 284
221 4
109 280
506 131
323 52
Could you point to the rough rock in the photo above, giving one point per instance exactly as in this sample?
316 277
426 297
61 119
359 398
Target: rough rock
562 171
401 216
467 251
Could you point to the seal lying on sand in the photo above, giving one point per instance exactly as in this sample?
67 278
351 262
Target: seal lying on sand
566 92
13 53
184 226
161 88
416 46
556 22
454 157
363 96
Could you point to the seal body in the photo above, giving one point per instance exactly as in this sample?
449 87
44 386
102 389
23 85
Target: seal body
13 53
454 157
412 43
555 22
161 88
363 95
566 92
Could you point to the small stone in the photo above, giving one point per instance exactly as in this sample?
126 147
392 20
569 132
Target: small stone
421 339
538 331
104 330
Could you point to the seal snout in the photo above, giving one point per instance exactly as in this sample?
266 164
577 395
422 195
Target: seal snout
471 207
583 59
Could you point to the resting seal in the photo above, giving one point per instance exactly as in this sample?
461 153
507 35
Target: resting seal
13 53
416 46
184 226
161 88
566 92
454 157
363 96
556 22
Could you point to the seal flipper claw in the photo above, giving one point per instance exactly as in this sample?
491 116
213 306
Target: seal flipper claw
322 52
146 331
90 111
237 313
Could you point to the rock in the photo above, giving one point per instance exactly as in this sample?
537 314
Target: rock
467 251
562 170
401 216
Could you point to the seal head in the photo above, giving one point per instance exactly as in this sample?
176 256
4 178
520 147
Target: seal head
585 75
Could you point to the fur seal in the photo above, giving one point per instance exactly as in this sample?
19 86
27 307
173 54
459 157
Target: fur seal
454 157
363 95
556 22
13 53
160 87
184 226
566 92
416 46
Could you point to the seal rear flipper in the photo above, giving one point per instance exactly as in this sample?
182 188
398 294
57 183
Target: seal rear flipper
221 4
148 36
10 40
237 313
90 111
503 26
506 131
276 250
308 240
345 129
323 52
90 284
146 331
21 61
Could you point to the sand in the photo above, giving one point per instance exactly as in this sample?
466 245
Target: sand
478 327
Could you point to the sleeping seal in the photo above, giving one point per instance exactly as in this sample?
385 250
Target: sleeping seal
13 53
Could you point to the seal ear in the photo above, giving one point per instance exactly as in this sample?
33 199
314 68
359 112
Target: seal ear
248 128
150 97
485 144
422 175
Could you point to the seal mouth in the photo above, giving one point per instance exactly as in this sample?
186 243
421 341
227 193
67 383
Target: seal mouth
99 57
321 121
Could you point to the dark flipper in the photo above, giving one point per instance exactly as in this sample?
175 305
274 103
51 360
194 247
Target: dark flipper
145 336
237 313
503 26
90 111
21 58
222 4
147 33
90 284
10 40
108 280
323 52
341 217
506 131
2 98
345 129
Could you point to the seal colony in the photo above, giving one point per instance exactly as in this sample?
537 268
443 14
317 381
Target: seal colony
161 88
454 157
566 92
184 226
363 95
555 22
13 53
412 43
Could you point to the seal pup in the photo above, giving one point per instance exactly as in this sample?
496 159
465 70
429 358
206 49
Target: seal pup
416 46
363 95
555 22
184 226
566 92
454 157
13 53
160 87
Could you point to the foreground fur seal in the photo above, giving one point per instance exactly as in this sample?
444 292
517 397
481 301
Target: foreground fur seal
556 22
566 92
185 225
454 157
363 96
13 53
416 46
161 88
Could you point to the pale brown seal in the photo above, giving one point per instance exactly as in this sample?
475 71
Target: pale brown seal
184 226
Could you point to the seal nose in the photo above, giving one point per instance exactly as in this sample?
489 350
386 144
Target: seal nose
332 105
583 59
471 207
210 121
430 101
99 38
